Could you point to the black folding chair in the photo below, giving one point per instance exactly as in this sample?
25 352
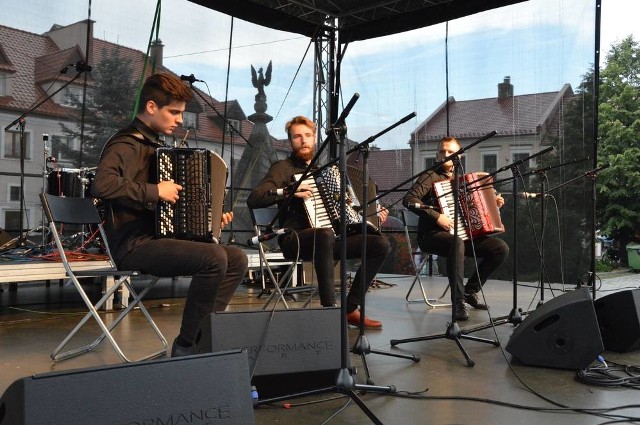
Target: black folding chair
82 211
262 218
410 221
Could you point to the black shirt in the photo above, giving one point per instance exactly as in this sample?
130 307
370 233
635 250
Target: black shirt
280 175
126 181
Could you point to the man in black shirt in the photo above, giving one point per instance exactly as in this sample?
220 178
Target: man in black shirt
126 181
434 236
316 244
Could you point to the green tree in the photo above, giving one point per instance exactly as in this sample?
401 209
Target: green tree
107 109
618 187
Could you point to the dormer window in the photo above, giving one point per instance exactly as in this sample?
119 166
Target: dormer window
189 120
235 124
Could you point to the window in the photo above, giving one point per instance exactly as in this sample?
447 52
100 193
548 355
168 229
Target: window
429 162
3 84
235 124
72 95
12 219
14 193
62 148
524 168
189 120
489 162
11 148
520 156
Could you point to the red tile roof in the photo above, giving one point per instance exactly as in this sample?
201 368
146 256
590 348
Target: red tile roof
387 168
517 115
37 61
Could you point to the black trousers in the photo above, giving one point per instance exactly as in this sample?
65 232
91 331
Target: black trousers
216 272
491 253
320 246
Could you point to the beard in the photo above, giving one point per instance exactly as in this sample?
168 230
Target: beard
306 155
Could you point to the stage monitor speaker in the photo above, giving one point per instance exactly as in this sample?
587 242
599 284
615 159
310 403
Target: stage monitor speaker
562 333
289 350
619 320
212 388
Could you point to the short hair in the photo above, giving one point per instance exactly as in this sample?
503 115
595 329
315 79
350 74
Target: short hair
163 88
299 120
449 139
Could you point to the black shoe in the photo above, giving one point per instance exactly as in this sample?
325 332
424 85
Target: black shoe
462 313
178 350
474 301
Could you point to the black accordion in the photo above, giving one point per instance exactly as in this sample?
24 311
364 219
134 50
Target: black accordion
197 215
323 208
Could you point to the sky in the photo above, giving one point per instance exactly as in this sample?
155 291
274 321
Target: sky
539 44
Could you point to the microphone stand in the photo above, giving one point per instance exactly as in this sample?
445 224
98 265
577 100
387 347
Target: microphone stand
20 122
232 237
362 346
433 167
515 316
315 159
543 178
591 174
345 383
232 129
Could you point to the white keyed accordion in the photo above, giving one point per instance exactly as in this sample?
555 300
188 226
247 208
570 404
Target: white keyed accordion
323 208
480 215
197 215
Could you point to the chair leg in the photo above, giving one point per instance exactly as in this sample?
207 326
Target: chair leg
431 302
106 330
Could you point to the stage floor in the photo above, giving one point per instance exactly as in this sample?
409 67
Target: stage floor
439 389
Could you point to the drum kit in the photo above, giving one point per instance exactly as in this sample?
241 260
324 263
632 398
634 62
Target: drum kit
70 182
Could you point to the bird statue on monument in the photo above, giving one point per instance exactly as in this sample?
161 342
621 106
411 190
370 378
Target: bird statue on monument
259 81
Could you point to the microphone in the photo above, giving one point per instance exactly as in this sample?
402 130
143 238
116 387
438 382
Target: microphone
529 195
257 239
419 206
190 78
79 66
283 191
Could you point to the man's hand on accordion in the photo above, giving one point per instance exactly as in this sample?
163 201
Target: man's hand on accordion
304 191
445 222
499 200
227 217
168 191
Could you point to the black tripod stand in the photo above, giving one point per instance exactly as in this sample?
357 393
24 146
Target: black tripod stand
515 315
345 382
453 331
20 123
362 347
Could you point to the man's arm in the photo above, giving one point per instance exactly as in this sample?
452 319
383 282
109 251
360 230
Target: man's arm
265 194
115 180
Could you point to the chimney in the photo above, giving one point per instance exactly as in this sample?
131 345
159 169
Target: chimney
156 52
505 89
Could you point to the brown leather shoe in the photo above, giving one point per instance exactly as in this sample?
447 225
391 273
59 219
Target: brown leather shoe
474 301
353 319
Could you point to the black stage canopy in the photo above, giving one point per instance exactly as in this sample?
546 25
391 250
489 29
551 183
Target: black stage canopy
357 19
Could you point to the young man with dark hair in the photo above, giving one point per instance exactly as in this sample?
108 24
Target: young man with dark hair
126 180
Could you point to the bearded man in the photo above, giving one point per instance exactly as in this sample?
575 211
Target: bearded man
318 245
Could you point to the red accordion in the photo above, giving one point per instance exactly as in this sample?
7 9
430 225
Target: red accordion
477 199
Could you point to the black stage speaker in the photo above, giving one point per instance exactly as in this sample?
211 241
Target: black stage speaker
212 388
618 318
562 333
289 350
